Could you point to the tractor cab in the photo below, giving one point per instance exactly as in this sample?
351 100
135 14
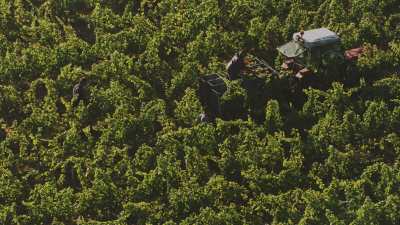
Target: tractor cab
310 50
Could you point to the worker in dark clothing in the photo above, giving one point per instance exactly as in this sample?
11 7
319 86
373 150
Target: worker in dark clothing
41 91
211 107
78 93
235 66
3 134
204 118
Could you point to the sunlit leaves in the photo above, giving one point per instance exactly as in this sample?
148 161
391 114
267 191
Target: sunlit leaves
133 152
188 108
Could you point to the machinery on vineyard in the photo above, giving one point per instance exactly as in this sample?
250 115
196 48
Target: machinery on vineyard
309 53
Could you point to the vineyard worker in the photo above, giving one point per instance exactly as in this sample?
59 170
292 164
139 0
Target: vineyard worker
236 65
204 118
78 92
3 134
208 116
300 37
41 91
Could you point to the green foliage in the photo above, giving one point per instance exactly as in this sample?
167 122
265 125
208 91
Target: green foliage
46 203
132 151
188 108
273 119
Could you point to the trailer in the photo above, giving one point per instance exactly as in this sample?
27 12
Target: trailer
213 86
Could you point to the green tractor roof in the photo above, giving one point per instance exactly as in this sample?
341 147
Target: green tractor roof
291 49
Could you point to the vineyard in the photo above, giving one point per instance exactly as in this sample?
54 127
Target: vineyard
99 114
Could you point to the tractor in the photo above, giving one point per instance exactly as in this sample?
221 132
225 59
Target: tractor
315 51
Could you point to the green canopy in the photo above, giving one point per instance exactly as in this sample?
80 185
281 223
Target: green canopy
291 49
